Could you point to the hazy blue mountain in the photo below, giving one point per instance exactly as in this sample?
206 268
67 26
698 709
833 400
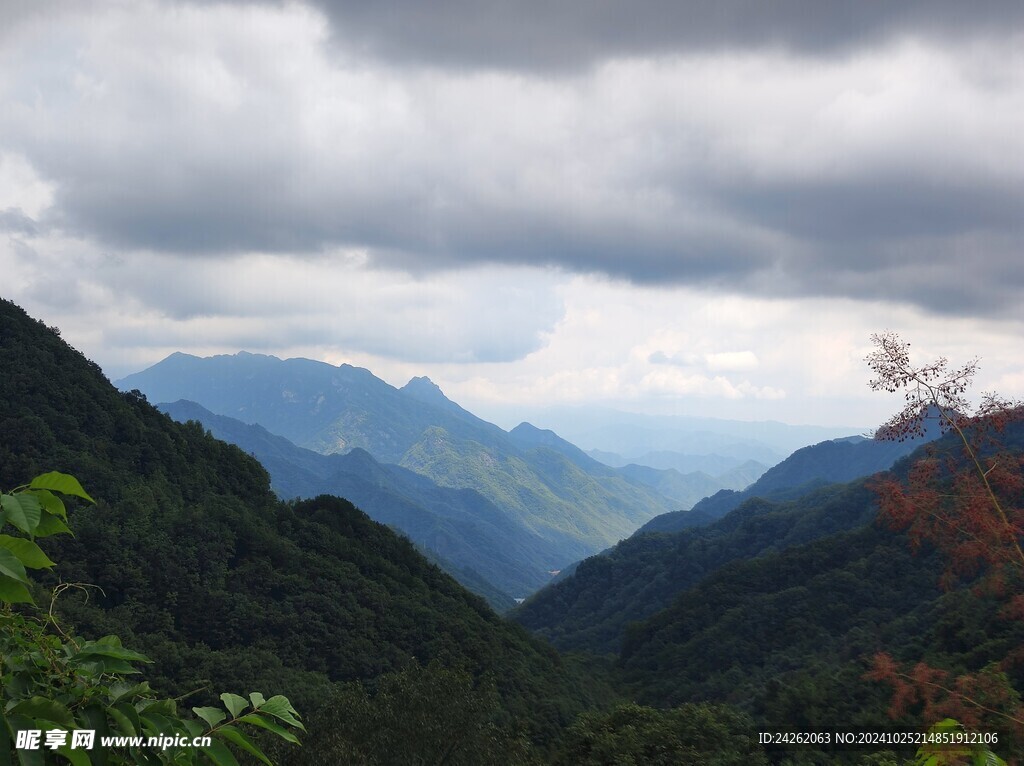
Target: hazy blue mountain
632 434
833 461
675 551
475 539
573 503
684 489
742 476
577 511
313 404
711 464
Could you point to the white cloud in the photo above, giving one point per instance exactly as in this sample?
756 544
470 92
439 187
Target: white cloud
208 177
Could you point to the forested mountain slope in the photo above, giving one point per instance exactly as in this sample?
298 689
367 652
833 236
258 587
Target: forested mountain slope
829 462
225 587
644 574
459 525
789 636
575 504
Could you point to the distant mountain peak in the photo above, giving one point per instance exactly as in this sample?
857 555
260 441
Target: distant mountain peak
423 385
423 389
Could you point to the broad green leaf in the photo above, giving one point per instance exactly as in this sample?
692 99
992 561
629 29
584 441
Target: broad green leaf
256 698
124 723
51 503
13 592
94 717
158 707
11 567
44 709
279 707
99 665
154 724
110 646
60 482
120 691
51 525
130 713
22 510
77 756
270 725
18 723
235 737
234 703
212 715
28 553
219 754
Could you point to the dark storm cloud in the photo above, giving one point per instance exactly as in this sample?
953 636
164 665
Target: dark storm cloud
536 34
179 133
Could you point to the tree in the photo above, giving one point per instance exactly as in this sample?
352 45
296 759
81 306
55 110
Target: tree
58 686
698 734
965 501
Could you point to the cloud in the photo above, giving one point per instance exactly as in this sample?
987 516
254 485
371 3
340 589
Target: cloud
132 310
722 361
535 35
210 131
153 128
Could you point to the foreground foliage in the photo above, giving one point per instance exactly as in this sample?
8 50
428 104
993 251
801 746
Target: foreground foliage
966 502
62 687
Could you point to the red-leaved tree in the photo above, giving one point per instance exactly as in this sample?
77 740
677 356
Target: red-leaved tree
966 502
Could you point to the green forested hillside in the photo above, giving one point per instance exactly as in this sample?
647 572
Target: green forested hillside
225 587
544 489
479 540
644 574
788 636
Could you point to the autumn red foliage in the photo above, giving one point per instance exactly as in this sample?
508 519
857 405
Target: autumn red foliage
967 503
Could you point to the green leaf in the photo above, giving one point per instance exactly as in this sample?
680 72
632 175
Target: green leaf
11 567
28 553
256 698
77 756
158 707
124 723
60 482
220 754
51 503
13 592
51 525
234 736
22 510
123 691
154 724
18 723
94 717
212 715
47 710
110 646
234 703
279 707
270 725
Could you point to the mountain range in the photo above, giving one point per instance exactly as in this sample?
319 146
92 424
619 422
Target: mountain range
225 587
530 502
766 613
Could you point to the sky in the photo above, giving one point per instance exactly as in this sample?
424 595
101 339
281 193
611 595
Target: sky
664 207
